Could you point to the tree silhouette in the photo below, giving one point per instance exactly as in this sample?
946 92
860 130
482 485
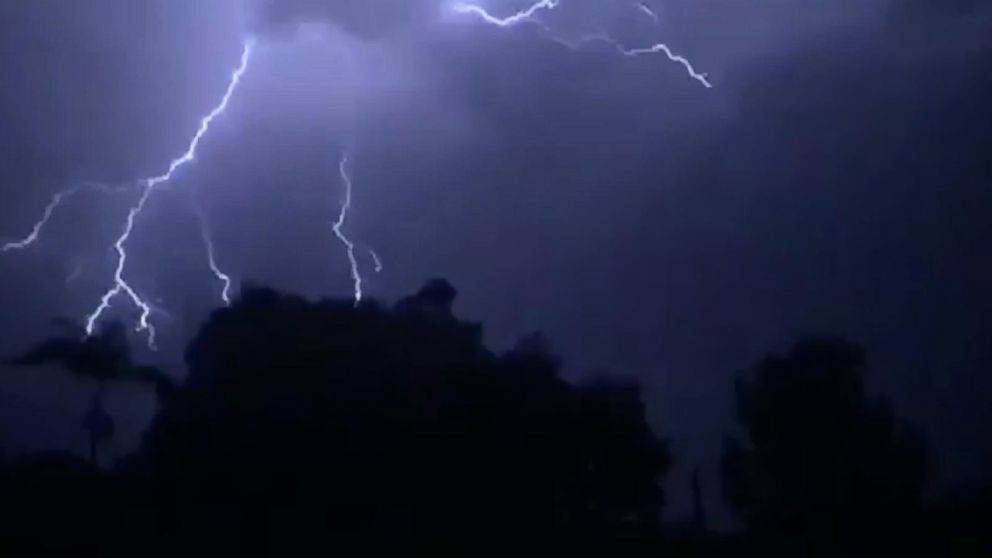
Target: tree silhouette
103 358
54 505
299 421
300 418
820 462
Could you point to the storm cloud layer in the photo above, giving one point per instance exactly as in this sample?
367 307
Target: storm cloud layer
834 180
364 18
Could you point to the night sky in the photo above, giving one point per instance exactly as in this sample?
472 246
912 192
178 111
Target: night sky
837 178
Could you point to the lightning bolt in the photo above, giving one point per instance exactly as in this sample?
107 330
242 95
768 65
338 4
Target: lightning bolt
146 187
356 274
208 241
646 10
31 238
527 16
149 185
677 58
662 48
57 199
376 261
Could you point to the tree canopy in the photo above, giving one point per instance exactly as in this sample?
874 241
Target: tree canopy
819 460
393 420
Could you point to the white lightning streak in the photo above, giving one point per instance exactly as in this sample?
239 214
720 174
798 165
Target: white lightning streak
376 261
527 16
208 241
149 186
646 10
356 275
662 48
38 226
519 17
53 204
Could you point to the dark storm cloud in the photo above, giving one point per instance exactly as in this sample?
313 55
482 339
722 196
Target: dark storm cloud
834 180
364 18
835 184
925 8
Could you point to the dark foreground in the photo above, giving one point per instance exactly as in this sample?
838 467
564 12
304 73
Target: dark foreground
302 426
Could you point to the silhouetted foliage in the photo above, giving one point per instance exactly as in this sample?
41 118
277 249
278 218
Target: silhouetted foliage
820 462
300 418
103 357
53 504
960 524
302 421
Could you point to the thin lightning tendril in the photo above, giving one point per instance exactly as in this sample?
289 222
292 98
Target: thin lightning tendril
149 185
646 10
519 17
677 58
208 241
38 226
527 16
376 261
57 199
356 274
77 272
635 52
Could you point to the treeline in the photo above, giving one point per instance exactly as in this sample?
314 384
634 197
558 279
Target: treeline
300 424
